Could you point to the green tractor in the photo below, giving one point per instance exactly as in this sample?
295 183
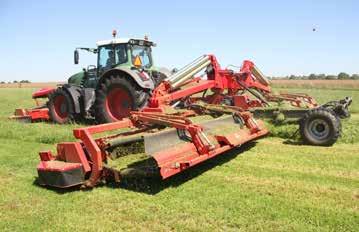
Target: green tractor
121 82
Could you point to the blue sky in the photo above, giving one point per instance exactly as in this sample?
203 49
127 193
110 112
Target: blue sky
38 37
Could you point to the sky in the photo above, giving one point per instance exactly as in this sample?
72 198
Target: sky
38 37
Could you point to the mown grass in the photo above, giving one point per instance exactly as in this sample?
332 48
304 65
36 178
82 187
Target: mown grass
270 185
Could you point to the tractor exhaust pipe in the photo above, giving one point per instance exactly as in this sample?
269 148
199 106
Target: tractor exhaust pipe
188 71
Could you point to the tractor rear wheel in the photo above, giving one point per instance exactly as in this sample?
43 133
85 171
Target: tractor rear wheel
61 107
320 127
117 97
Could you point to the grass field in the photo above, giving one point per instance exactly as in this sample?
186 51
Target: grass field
270 185
313 84
30 85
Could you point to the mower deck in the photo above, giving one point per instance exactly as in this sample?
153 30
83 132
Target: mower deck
60 174
39 113
182 145
31 115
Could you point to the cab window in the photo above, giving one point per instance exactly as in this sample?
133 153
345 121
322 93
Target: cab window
105 57
111 55
144 53
121 53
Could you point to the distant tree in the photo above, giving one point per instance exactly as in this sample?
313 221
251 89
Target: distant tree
312 76
25 81
343 76
3 82
331 77
321 76
15 82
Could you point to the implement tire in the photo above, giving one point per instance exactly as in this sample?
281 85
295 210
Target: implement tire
320 127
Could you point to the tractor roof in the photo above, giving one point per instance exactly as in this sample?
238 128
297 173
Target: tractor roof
124 41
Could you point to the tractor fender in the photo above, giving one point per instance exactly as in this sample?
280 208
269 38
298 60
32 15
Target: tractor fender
140 77
75 94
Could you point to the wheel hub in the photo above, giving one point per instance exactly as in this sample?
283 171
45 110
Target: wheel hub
319 128
118 103
61 106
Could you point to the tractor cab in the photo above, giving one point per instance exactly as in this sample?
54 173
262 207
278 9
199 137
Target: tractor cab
114 53
123 52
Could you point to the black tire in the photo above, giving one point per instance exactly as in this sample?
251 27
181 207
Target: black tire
335 115
61 107
320 127
133 98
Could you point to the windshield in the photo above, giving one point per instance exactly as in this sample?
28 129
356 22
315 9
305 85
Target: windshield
144 53
111 55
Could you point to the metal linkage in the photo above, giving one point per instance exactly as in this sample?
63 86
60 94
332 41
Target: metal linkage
295 99
340 107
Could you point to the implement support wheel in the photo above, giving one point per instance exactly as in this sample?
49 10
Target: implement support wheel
320 127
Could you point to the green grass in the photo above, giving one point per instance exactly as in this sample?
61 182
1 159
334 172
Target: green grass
268 186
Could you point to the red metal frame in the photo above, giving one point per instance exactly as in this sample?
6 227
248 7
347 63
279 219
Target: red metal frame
42 93
225 83
35 114
170 162
31 114
295 99
220 80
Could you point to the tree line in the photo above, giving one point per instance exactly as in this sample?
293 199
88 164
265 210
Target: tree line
340 76
9 82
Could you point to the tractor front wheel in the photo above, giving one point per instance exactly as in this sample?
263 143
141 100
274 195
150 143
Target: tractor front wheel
320 127
116 98
61 108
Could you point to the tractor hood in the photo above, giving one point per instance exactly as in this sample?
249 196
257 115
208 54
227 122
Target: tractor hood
77 78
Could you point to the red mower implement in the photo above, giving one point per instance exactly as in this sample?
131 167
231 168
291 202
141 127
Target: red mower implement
173 142
39 113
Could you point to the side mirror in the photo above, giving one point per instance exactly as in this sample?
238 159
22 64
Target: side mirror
76 56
